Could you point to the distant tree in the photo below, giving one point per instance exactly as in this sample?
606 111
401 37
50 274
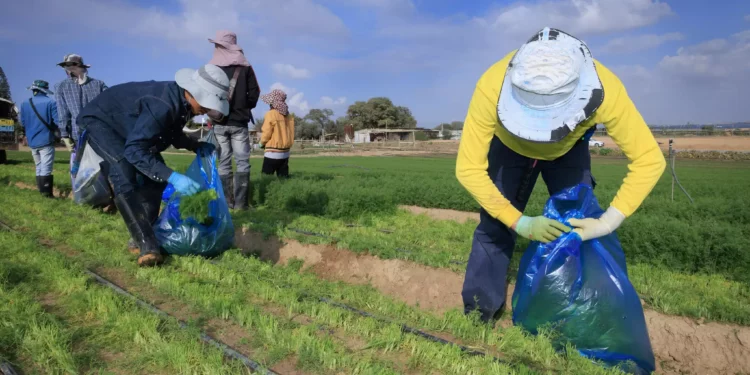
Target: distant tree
447 134
455 125
322 119
379 112
4 86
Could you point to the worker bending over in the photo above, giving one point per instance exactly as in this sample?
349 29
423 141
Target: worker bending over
129 125
533 112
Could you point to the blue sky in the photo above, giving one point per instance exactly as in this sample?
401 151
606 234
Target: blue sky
680 61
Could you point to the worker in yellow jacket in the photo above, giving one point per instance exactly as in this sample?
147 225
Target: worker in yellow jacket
533 112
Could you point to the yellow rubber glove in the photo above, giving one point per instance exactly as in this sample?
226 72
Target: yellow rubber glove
594 228
68 144
540 228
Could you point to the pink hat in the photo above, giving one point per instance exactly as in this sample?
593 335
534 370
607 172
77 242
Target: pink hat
226 39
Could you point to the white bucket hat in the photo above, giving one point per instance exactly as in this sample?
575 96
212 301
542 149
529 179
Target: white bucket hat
209 85
550 87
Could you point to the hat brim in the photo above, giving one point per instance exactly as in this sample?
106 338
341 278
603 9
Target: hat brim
62 64
551 125
266 98
46 91
232 47
184 79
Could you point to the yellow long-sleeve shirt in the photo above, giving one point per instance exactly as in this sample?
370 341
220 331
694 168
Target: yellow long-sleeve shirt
618 114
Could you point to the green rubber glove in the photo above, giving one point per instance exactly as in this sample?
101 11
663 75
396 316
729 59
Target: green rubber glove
540 228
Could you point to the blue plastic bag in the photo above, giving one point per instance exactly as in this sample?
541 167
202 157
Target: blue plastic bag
188 236
581 290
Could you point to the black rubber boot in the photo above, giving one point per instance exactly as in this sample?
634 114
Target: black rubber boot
227 182
131 208
45 185
241 187
151 204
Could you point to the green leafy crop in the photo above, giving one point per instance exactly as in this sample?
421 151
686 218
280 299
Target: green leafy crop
196 206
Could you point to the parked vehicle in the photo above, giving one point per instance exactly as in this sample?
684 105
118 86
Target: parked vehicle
595 143
8 133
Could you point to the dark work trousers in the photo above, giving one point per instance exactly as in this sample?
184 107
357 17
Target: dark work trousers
278 166
123 176
485 285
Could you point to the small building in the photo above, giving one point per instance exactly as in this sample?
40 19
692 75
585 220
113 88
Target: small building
384 135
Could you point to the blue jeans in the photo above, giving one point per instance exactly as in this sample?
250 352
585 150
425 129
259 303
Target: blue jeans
233 140
485 285
44 157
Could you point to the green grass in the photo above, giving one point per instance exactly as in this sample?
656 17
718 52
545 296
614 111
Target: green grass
684 259
89 328
224 290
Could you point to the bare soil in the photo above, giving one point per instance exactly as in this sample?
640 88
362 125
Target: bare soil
443 214
728 143
681 345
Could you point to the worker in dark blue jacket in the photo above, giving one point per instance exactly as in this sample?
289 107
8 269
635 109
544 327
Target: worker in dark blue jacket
129 125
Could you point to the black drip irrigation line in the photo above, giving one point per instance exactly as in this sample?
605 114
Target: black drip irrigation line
7 369
405 328
228 351
308 233
386 231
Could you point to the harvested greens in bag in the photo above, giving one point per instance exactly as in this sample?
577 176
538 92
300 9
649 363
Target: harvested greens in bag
581 290
90 181
208 234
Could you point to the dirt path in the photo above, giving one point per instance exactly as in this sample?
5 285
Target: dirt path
728 143
681 345
443 214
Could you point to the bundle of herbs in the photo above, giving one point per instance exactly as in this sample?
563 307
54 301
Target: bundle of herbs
196 206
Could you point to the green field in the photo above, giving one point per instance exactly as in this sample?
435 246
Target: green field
683 259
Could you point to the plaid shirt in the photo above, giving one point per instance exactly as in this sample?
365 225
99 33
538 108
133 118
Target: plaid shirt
71 98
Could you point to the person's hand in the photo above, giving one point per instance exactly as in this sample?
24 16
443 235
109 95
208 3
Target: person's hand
68 144
205 148
183 184
589 229
540 228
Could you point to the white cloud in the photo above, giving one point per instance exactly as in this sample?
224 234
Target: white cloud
700 83
747 17
630 44
290 71
717 58
327 101
579 17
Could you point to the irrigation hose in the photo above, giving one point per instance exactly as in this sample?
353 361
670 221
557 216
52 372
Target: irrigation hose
228 351
677 180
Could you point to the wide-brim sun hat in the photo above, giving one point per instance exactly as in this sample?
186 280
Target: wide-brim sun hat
42 86
226 39
73 58
550 87
209 85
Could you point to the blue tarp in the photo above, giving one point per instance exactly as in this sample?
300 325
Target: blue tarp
188 236
581 290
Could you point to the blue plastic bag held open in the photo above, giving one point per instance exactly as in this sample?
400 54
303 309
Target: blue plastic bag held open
581 290
187 236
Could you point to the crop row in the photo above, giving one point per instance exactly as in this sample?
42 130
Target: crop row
265 299
694 246
52 320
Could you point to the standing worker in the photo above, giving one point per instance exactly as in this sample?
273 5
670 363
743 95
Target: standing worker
129 125
533 112
39 119
277 134
231 131
72 94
